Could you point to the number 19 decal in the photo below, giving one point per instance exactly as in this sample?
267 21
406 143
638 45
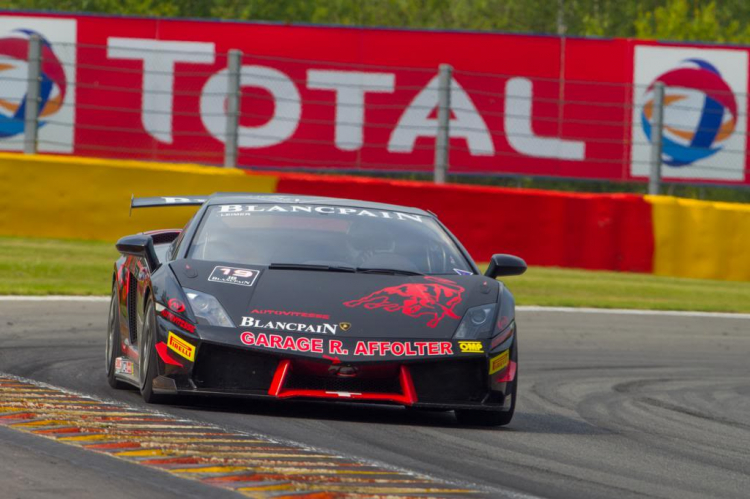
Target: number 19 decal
232 275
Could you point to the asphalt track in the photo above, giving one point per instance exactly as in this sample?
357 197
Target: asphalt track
611 405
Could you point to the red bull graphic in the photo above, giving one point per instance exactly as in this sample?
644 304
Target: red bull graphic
437 298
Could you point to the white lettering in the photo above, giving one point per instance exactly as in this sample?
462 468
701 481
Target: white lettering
350 88
230 208
290 326
325 210
521 136
286 99
159 59
405 216
468 123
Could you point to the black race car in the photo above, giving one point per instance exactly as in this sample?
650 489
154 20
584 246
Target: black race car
298 297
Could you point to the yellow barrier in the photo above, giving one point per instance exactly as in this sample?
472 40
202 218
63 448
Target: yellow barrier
701 239
49 196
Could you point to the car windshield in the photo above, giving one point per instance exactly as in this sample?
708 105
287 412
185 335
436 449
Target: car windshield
334 237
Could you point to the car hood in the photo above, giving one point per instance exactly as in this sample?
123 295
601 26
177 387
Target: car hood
338 303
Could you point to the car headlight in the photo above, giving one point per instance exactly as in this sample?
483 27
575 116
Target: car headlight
478 322
207 309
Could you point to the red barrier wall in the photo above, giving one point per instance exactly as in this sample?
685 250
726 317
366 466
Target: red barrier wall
591 231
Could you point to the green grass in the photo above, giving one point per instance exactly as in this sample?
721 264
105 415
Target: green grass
585 288
48 266
55 267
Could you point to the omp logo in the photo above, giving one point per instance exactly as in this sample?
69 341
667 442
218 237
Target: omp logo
704 111
14 50
436 298
699 83
471 346
57 86
181 347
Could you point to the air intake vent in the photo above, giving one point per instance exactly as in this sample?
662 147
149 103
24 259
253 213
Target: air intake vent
450 381
340 384
226 368
165 237
132 312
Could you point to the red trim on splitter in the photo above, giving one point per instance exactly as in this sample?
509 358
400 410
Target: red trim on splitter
408 395
279 377
407 386
163 351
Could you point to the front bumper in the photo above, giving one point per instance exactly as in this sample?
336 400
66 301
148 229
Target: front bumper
461 379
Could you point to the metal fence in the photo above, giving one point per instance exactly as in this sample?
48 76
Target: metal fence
284 113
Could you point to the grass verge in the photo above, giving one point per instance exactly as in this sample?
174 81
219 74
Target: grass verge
55 267
66 267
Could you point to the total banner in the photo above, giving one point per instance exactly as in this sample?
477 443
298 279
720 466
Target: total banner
336 98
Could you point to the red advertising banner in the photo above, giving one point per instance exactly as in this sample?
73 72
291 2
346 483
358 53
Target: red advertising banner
365 99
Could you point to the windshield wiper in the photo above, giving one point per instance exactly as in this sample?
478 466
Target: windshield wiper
306 266
370 270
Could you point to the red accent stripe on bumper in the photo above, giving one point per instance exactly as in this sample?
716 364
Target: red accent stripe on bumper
163 351
408 395
510 374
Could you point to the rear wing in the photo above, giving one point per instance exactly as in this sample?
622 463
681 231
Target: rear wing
166 201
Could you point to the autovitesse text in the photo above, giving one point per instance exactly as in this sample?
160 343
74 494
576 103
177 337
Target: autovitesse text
325 210
290 326
288 313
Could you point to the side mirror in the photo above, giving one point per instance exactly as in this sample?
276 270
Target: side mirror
505 265
139 245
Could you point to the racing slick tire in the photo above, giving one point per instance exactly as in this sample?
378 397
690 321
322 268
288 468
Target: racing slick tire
112 349
148 357
469 417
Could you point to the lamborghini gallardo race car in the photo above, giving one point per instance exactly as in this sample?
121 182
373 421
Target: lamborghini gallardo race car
294 297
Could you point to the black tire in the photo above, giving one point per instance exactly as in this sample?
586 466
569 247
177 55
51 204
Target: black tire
470 417
147 357
111 349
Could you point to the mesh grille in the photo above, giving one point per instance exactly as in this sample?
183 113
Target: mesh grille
228 368
164 237
450 381
132 313
342 384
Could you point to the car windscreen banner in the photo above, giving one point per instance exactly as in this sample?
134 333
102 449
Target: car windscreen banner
355 99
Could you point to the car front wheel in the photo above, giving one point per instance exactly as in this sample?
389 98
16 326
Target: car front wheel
112 350
148 358
471 417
